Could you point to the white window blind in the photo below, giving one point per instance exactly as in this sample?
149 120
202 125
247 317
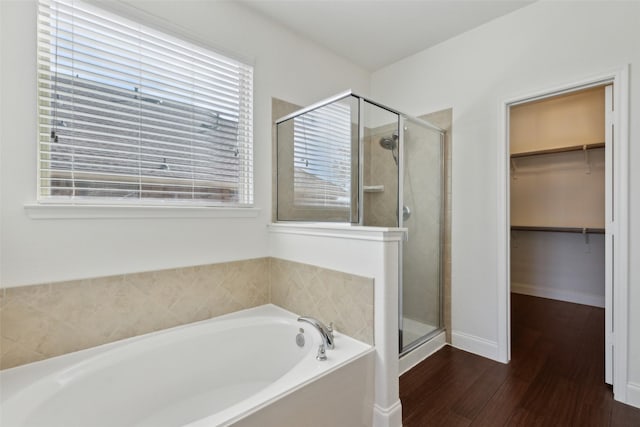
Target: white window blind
322 158
129 114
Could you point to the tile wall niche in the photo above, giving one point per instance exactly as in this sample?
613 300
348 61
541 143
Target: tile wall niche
47 320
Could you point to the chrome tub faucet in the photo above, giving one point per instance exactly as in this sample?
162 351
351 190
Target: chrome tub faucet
326 333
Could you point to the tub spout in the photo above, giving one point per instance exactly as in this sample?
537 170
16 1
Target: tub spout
325 332
322 354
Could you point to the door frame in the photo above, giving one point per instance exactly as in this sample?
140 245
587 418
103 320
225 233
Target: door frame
620 226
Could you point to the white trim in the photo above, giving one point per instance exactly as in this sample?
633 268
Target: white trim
420 353
633 394
609 124
620 79
45 211
558 294
504 237
387 417
562 90
474 344
621 246
341 230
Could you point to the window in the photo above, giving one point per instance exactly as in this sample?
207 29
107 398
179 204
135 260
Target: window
130 115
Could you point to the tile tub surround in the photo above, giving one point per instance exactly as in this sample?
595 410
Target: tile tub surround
47 320
329 295
42 321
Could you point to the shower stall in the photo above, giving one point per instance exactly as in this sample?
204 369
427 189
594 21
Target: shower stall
352 160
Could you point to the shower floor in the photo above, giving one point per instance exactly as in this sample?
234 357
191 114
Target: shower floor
413 330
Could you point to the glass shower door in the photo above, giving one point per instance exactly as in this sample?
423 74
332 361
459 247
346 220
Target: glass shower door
380 151
421 210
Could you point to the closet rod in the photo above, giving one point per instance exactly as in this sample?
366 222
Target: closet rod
558 150
579 230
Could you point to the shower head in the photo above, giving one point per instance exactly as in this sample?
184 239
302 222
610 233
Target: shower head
389 142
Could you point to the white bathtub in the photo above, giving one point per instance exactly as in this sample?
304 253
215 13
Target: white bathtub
217 372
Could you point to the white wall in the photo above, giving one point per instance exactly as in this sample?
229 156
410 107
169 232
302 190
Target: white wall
43 250
544 45
563 266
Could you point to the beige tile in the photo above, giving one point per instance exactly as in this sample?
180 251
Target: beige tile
120 307
42 321
51 319
62 338
27 292
151 319
13 354
23 324
328 295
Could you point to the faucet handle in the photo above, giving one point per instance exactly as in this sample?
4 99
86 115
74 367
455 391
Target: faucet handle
330 329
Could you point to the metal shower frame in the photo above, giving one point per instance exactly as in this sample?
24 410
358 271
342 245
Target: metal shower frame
402 117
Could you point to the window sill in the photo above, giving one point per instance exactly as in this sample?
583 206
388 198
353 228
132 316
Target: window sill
46 211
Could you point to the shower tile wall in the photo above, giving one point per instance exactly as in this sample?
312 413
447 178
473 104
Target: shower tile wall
380 170
42 321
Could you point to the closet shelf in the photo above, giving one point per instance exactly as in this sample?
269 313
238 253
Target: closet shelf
558 150
579 230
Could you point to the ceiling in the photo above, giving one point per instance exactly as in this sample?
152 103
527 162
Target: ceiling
376 33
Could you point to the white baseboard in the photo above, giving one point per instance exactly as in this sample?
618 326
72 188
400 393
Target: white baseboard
388 417
421 352
476 345
558 294
633 394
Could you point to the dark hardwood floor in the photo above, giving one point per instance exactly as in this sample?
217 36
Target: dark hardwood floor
555 377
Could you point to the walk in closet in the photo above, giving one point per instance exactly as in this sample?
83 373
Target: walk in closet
557 148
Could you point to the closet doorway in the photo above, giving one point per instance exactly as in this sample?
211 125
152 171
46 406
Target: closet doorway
560 205
616 237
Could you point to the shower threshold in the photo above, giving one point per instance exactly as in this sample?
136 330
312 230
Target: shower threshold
415 333
421 346
412 330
